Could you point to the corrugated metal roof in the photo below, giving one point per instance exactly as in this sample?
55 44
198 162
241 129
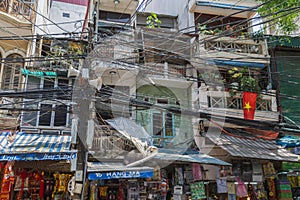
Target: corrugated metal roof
190 158
253 148
161 155
198 158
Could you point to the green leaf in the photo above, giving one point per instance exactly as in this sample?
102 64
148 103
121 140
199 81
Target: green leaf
282 13
152 21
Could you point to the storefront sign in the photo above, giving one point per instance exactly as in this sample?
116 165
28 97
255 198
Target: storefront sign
42 156
39 73
121 174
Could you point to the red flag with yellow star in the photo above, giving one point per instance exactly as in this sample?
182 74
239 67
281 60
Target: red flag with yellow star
249 104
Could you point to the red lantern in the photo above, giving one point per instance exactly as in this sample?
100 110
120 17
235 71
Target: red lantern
249 104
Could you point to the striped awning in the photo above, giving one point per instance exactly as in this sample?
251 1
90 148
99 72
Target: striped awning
23 146
253 148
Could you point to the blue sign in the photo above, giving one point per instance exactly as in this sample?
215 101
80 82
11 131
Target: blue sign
121 174
38 73
38 156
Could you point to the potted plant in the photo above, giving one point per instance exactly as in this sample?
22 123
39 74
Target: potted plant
250 88
213 79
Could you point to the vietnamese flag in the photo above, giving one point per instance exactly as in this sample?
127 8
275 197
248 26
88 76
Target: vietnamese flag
249 104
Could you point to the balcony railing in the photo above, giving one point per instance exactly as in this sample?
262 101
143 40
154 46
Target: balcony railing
221 101
232 48
166 70
234 45
216 101
22 10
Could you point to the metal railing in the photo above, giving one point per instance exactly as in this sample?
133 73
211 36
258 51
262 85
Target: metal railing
169 71
22 10
234 45
236 102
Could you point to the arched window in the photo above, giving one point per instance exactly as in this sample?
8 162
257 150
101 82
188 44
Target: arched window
12 75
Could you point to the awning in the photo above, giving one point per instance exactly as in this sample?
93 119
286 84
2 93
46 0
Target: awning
190 158
224 5
100 171
239 63
116 170
23 146
253 148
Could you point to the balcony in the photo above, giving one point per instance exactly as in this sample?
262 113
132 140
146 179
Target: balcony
121 6
167 74
166 70
214 101
224 7
22 11
233 48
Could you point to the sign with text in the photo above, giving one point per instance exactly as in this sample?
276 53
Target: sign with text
38 156
121 174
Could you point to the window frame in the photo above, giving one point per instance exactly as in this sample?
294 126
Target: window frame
163 136
53 101
16 63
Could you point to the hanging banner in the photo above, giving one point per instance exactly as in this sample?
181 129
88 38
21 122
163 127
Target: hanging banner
38 156
120 174
249 104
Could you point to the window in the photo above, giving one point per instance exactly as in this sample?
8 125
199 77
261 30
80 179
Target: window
67 15
168 22
114 16
47 109
60 115
162 127
12 75
45 114
157 124
161 124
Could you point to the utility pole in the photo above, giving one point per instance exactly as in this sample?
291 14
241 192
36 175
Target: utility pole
85 107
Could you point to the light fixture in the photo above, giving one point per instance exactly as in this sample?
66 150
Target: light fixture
113 73
116 1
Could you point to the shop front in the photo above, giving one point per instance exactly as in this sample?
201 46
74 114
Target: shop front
35 166
257 170
116 181
187 174
168 176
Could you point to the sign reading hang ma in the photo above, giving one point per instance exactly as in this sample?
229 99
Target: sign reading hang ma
38 156
121 174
